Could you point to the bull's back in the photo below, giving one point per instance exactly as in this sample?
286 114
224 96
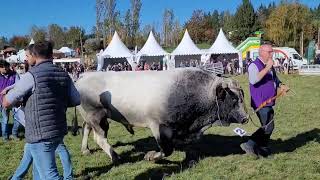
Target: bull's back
138 96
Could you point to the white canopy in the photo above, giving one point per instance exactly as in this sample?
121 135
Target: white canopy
66 50
116 49
100 60
222 45
31 41
187 46
67 60
151 48
22 55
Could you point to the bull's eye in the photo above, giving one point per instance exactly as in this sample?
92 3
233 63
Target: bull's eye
234 100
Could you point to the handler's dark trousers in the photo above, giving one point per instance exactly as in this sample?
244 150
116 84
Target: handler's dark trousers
262 136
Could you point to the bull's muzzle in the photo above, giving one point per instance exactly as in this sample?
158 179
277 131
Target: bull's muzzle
245 120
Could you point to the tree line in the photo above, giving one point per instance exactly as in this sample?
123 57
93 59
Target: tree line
288 23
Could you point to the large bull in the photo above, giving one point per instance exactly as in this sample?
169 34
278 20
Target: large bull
178 105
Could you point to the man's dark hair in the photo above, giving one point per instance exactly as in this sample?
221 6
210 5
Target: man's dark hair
42 49
4 63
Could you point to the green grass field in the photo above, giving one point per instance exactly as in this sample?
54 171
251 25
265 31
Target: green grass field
295 143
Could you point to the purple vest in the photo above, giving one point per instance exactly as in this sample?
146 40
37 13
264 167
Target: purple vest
6 81
264 89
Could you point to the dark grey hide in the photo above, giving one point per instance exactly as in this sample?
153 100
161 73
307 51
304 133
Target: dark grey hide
178 105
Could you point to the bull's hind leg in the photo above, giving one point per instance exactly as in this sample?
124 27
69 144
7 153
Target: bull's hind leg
163 136
100 128
86 131
100 136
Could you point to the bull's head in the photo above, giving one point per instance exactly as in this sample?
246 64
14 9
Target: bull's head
230 101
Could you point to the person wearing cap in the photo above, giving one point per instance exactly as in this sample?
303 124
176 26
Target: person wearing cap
7 80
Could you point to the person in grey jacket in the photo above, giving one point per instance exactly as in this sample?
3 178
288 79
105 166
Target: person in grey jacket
47 91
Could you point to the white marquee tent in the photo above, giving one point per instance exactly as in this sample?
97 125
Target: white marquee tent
116 50
151 48
21 55
151 51
67 51
185 48
223 46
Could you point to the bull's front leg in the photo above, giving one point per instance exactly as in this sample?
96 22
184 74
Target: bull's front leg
163 136
86 131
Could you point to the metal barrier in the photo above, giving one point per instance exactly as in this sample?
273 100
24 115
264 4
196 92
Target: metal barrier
309 70
215 68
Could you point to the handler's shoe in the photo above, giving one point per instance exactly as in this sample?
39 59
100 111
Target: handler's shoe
14 138
264 152
249 149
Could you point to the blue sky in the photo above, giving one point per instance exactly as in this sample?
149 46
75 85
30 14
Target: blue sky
18 16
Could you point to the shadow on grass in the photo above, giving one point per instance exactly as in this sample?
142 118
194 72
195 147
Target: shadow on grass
209 146
216 145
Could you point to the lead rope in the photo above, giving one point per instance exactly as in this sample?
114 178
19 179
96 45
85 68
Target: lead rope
262 106
218 111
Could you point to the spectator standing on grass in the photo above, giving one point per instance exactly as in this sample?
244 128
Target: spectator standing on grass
7 79
47 92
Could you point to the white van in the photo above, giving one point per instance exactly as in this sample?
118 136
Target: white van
290 53
284 52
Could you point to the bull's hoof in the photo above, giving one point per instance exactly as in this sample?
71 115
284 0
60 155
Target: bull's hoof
153 156
115 158
86 152
192 163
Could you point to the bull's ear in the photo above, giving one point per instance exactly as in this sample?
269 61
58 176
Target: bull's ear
221 92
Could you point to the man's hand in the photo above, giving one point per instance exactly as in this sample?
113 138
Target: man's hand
269 64
4 92
284 89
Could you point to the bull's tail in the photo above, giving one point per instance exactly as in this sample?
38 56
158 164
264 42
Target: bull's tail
75 127
129 128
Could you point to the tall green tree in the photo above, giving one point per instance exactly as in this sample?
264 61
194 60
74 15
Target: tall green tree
38 33
245 23
74 35
19 42
167 27
289 24
128 26
262 16
315 16
110 18
176 32
3 42
216 21
228 24
195 26
56 35
100 16
135 10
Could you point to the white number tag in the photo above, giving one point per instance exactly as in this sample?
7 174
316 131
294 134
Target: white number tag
239 131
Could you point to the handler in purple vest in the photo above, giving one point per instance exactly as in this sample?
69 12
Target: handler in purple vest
263 86
7 79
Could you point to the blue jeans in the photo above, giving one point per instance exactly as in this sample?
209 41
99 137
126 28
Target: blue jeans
26 162
5 123
43 156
